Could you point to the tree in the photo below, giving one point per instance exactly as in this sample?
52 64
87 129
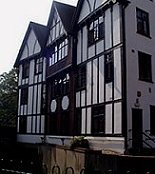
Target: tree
8 98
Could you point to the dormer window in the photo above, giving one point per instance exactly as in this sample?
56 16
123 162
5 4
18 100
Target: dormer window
25 73
96 30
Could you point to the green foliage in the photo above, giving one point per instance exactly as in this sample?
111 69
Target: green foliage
8 98
79 142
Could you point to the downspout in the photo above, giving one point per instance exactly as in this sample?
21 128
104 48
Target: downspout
124 4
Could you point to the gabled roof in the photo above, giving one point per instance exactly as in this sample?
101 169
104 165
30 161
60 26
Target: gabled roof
41 33
65 12
77 12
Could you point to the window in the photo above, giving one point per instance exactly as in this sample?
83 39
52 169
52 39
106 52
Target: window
78 121
25 73
109 67
81 78
38 66
96 30
60 86
64 123
98 119
22 124
58 51
24 96
152 120
63 49
142 22
145 70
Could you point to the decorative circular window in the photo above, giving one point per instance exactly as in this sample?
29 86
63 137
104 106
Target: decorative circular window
65 103
53 105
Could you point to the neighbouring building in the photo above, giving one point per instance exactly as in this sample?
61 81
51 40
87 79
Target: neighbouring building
90 72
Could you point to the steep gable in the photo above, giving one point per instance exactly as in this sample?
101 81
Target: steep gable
85 7
34 41
59 20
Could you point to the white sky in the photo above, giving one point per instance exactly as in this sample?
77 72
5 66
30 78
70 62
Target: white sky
15 16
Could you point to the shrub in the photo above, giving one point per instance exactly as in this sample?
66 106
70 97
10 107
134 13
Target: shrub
79 142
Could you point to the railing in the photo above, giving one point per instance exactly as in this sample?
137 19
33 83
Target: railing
149 138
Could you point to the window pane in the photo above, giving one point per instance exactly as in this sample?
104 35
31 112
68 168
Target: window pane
25 73
145 70
24 96
109 68
98 119
142 22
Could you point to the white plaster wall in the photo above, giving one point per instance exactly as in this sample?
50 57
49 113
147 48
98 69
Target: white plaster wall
31 74
79 48
134 43
19 100
85 43
83 127
42 124
57 31
91 51
108 89
95 78
89 120
39 99
29 138
20 75
89 83
44 68
116 25
100 46
118 118
35 99
30 100
108 32
83 97
101 79
89 6
32 46
108 119
78 99
28 125
117 74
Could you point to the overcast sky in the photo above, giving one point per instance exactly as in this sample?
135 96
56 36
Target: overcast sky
15 16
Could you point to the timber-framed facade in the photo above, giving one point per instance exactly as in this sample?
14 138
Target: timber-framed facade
85 76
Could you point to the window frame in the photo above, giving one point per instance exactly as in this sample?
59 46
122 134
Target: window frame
94 33
24 96
58 51
143 24
25 70
100 110
145 64
38 66
81 78
109 67
60 86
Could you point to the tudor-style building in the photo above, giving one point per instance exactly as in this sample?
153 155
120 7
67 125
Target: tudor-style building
60 77
31 84
99 75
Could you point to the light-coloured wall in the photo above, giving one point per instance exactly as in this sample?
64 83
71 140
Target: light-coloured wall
89 6
134 43
31 47
97 91
56 29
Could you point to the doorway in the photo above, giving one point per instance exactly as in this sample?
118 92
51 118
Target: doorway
137 122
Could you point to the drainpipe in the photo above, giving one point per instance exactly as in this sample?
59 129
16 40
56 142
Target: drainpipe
124 4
